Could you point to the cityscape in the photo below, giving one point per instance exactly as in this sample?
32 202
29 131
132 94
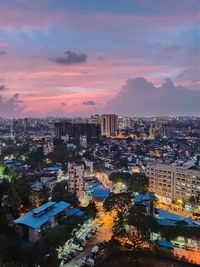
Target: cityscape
83 191
99 133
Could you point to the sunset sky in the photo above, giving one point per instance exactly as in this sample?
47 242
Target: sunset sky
78 57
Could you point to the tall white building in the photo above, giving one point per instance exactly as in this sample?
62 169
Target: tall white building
75 178
109 124
178 180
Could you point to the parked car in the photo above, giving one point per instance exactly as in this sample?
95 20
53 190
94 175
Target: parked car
89 262
79 263
95 249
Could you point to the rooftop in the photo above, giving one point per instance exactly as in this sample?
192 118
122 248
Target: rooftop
166 218
143 197
75 212
39 216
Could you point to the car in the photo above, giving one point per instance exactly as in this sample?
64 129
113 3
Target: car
79 263
69 242
77 247
95 249
89 262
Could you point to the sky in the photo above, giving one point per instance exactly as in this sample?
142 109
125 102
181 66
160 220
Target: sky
80 57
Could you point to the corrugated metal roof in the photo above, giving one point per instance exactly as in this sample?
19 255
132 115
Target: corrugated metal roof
101 193
33 221
75 212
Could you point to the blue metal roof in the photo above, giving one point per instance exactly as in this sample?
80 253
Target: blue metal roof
167 218
101 193
53 169
37 221
142 197
164 244
44 207
75 212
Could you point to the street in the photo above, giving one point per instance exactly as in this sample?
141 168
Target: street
104 233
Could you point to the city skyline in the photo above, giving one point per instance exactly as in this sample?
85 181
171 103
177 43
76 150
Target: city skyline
69 58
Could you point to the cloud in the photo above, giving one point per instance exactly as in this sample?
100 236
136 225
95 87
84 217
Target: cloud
70 58
89 103
190 74
63 104
2 53
3 87
12 106
138 97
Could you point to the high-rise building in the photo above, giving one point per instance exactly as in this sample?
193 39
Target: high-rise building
75 130
83 141
109 124
75 178
178 180
156 129
126 123
95 118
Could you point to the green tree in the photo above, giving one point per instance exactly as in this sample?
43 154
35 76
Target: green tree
119 202
60 193
91 210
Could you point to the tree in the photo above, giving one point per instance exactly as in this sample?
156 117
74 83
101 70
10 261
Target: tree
113 245
119 202
135 182
135 239
141 221
91 210
60 193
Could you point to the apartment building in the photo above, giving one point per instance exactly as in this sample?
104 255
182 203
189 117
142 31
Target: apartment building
109 124
178 180
75 178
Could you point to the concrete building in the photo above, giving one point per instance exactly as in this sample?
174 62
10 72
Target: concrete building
83 141
75 178
35 196
126 123
109 124
176 181
75 130
156 129
95 119
46 216
49 182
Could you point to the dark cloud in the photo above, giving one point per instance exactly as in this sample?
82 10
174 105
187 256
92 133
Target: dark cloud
12 106
2 53
63 104
3 87
89 103
142 98
70 58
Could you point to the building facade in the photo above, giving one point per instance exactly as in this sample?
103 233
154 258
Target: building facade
109 124
176 181
31 224
75 130
75 178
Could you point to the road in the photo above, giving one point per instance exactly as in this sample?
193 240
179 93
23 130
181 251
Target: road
104 179
104 233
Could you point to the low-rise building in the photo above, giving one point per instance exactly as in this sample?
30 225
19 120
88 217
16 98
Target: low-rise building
46 216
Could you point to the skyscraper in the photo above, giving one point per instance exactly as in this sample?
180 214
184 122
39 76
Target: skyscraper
108 124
